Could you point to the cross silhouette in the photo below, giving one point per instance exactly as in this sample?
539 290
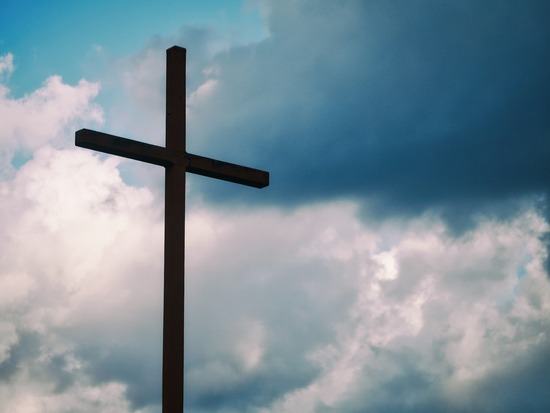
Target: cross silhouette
176 162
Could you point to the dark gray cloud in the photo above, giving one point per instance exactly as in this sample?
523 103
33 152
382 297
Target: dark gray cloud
407 106
520 386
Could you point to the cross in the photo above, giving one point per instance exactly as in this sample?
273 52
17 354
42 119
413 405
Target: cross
176 162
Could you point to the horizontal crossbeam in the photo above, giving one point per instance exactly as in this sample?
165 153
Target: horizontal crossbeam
127 148
158 155
226 171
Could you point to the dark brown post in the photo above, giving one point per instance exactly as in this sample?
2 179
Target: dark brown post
174 236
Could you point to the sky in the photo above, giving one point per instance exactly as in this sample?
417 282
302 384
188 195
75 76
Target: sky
398 261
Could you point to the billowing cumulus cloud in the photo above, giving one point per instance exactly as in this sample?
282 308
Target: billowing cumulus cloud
65 214
360 325
70 293
310 311
46 114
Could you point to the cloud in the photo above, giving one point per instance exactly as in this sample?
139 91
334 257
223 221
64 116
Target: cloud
405 107
6 64
46 116
79 290
351 324
137 82
312 309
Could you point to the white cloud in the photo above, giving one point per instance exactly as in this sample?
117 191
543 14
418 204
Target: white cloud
463 295
82 262
6 64
107 398
454 310
139 109
47 115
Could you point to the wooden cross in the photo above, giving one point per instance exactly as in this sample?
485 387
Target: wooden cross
176 162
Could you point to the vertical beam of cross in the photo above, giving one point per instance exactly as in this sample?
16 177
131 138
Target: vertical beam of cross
174 235
176 161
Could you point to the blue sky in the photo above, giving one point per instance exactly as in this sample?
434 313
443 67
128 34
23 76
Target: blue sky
397 262
63 33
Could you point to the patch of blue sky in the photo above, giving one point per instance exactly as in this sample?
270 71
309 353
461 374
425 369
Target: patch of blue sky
521 270
20 157
60 37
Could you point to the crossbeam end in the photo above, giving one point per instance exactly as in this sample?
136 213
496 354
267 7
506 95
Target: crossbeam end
127 148
226 171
